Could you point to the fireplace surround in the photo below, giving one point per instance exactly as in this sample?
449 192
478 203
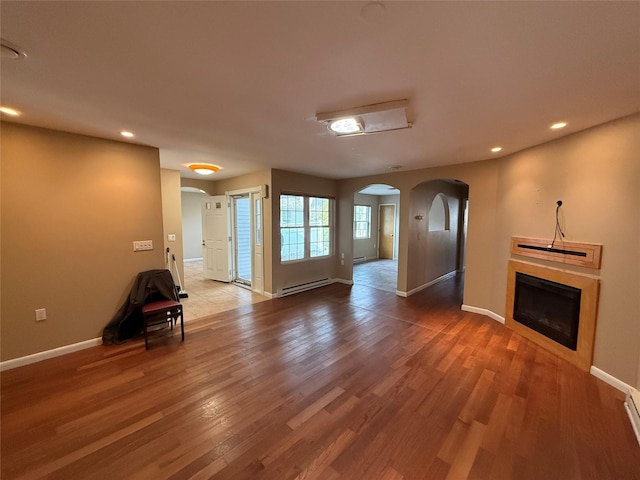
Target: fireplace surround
554 293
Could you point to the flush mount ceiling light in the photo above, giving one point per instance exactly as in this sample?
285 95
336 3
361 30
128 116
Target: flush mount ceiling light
204 168
379 117
345 126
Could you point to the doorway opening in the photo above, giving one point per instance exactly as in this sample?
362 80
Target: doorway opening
375 237
241 237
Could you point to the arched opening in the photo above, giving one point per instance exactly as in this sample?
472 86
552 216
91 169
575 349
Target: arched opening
437 232
376 210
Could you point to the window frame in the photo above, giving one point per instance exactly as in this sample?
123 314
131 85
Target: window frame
307 227
355 222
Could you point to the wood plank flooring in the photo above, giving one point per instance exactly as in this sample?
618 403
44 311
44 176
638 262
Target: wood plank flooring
337 383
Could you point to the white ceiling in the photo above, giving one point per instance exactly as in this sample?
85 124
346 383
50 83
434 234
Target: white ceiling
238 83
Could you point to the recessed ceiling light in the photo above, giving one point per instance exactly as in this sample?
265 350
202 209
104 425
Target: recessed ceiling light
10 111
204 168
345 126
558 125
496 149
127 134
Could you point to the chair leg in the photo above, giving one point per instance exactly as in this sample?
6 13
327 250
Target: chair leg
182 324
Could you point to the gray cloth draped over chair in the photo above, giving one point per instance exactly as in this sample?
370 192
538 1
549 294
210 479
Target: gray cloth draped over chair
148 287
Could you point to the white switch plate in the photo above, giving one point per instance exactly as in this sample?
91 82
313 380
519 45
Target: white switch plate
171 237
141 245
41 314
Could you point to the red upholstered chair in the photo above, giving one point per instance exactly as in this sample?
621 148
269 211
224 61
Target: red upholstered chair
157 314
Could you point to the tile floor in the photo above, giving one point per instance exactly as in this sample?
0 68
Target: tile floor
381 274
207 297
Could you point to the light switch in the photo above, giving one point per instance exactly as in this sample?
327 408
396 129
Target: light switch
141 245
171 237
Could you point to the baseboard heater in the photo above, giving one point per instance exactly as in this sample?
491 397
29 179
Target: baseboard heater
303 287
359 259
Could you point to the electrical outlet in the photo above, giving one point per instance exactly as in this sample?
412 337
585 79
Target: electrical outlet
142 245
41 314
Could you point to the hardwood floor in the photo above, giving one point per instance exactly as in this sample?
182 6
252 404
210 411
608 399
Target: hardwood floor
336 383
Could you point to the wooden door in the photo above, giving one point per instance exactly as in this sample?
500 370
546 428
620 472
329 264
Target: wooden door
386 236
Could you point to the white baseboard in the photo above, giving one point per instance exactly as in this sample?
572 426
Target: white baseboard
631 406
483 311
611 380
56 352
342 280
269 295
425 285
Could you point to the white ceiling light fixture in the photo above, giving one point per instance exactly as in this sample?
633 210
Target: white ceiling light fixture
346 126
375 118
204 168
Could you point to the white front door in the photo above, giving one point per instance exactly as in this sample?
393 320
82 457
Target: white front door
215 238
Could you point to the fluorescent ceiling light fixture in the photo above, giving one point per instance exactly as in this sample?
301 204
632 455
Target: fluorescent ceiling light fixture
558 125
496 149
375 118
204 168
345 126
127 134
10 111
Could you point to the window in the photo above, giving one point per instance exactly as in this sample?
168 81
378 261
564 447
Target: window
305 227
361 221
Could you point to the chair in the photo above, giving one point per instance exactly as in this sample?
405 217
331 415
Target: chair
157 314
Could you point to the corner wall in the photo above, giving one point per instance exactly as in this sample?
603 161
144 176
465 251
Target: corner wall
71 207
596 174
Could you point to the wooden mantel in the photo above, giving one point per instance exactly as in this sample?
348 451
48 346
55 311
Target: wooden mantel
572 253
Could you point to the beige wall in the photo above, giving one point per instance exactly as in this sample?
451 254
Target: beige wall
71 207
367 247
209 186
433 254
293 273
596 174
172 220
191 224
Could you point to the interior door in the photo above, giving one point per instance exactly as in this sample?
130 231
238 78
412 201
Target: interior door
215 238
387 222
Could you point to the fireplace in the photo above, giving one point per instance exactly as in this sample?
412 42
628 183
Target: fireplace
555 308
549 308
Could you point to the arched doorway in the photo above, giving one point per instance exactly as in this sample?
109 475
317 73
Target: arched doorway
375 237
437 232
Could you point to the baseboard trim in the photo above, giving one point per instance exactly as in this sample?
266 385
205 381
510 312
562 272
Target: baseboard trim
610 379
426 285
483 311
342 280
269 295
631 406
56 352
